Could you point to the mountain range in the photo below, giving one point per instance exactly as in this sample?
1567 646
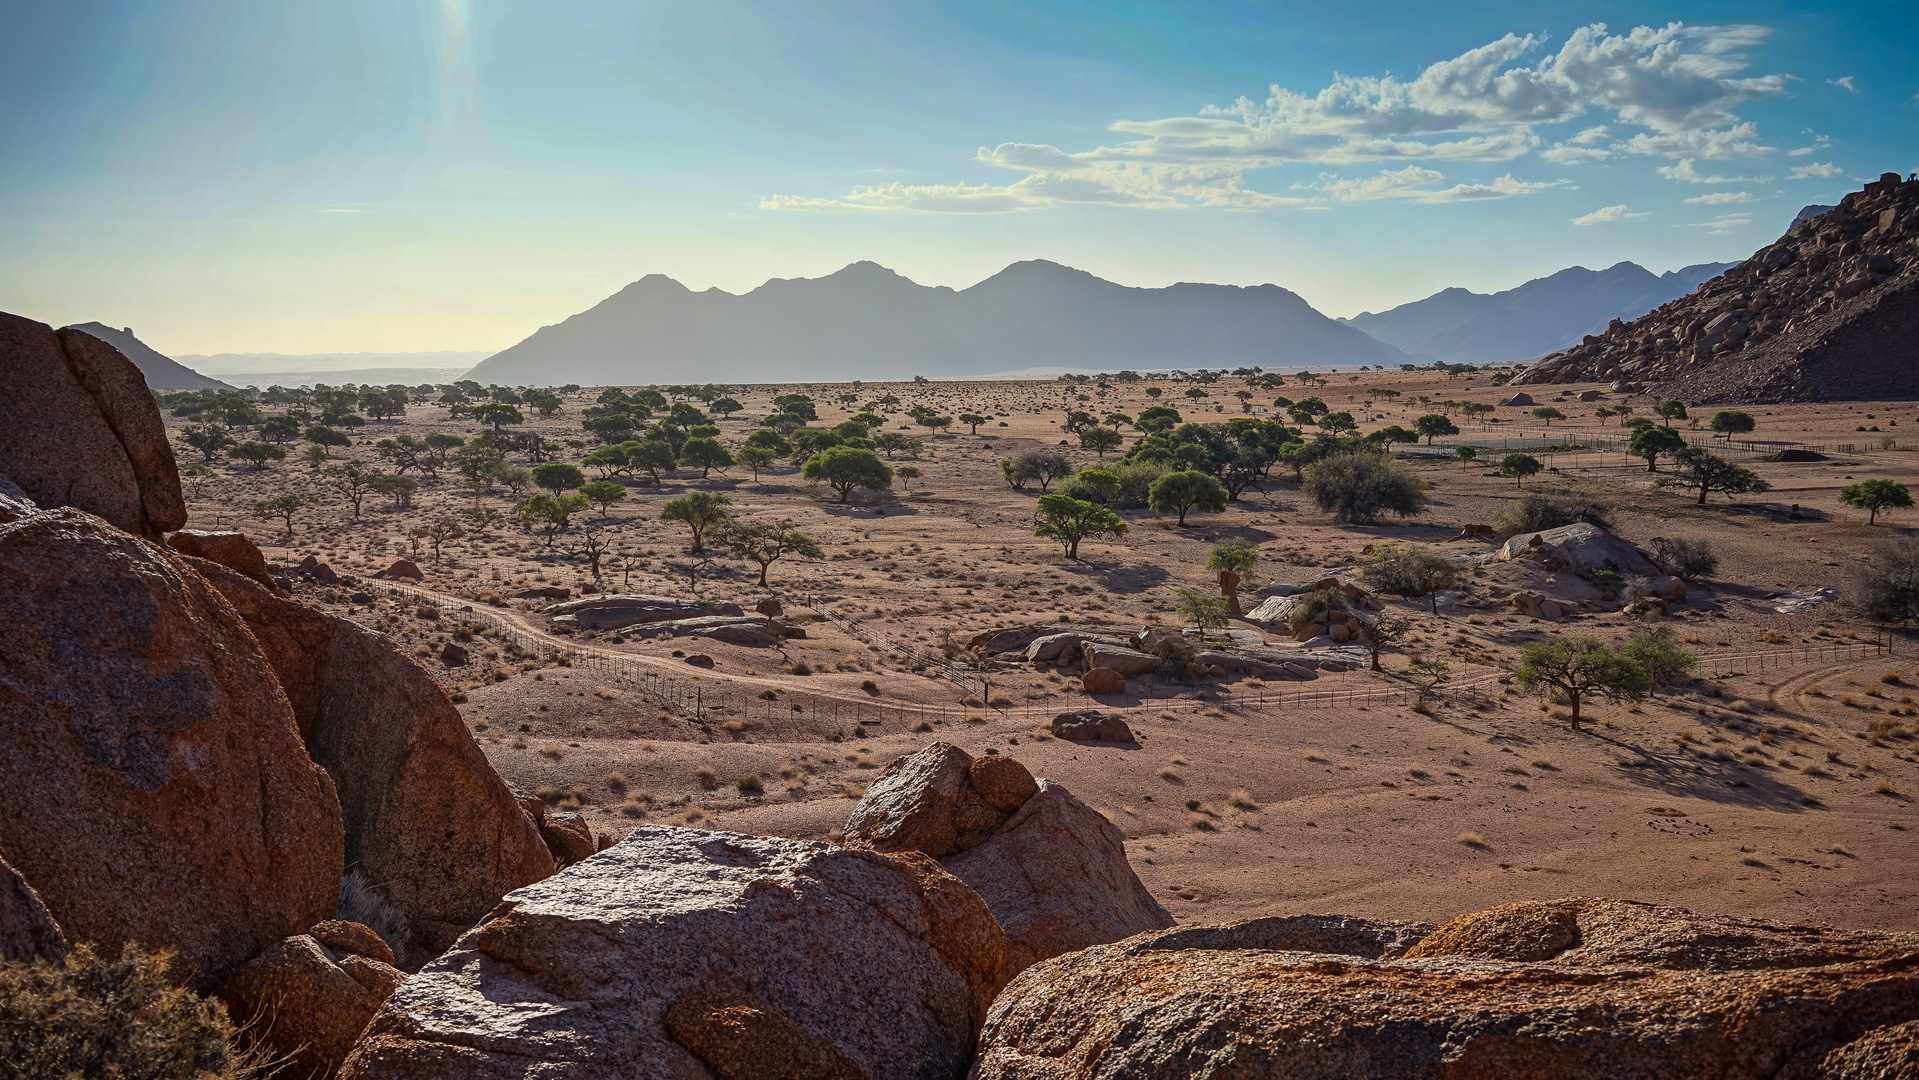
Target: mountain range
162 372
1544 315
867 322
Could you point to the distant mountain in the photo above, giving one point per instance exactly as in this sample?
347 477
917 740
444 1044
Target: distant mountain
867 322
162 371
1541 316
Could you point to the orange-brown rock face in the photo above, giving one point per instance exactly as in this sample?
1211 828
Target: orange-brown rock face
233 550
159 788
429 824
1246 1001
82 430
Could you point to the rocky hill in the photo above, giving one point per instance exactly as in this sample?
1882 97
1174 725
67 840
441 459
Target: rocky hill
866 321
162 371
1830 311
1460 326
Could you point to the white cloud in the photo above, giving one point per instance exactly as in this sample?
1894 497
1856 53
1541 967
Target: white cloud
1677 84
1420 185
1844 82
1722 198
1819 143
1824 170
1686 173
1606 215
1721 225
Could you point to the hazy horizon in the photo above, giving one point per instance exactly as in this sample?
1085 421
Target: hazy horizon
393 176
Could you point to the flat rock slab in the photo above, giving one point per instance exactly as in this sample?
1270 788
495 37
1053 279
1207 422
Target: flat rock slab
688 953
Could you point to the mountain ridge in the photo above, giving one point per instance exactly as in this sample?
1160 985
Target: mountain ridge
868 321
1540 316
162 371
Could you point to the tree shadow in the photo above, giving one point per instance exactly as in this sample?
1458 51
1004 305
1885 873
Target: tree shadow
1712 781
1116 577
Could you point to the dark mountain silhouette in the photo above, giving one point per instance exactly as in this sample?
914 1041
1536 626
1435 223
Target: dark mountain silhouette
867 322
1541 316
162 371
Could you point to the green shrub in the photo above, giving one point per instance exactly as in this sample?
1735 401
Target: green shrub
1364 486
1314 603
120 1018
1539 511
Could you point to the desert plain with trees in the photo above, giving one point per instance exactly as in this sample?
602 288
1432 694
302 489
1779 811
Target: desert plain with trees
1748 748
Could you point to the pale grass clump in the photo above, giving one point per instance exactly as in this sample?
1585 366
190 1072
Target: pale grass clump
1242 799
1472 840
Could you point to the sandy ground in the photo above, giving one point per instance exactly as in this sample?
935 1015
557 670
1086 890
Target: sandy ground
1778 790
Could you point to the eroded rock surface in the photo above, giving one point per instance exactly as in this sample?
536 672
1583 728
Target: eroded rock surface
132 700
306 999
28 931
687 953
233 550
1241 1001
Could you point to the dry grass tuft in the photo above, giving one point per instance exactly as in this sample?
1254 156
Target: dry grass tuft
553 750
1472 840
707 777
1202 822
1315 757
1242 799
1171 775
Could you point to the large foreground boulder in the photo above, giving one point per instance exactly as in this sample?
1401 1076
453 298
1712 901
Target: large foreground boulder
233 550
687 953
306 1000
157 787
1245 1001
82 429
1056 877
429 824
1052 869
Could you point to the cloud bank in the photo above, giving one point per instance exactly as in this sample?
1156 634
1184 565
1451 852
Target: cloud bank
1676 87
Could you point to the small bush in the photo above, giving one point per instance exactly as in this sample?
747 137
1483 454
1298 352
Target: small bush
707 777
1888 585
750 785
1314 604
124 1018
869 686
1540 511
1689 558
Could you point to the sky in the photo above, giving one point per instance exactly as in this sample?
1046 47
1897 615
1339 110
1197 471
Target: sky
395 175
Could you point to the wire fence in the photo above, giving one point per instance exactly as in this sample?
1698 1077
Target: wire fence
743 703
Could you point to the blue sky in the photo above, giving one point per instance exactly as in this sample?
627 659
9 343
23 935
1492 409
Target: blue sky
383 175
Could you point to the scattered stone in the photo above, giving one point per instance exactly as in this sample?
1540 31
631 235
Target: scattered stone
402 568
1521 400
306 1001
699 659
189 815
312 568
679 952
770 607
452 655
1103 682
1091 727
568 836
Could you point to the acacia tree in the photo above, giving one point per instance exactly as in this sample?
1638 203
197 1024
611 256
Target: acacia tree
1100 440
603 494
353 481
766 543
756 458
1700 468
973 420
257 453
1652 443
1730 422
1576 668
558 477
1178 492
548 514
1069 520
1875 495
706 454
1411 571
698 511
1519 466
845 468
438 530
280 506
1434 424
209 439
496 415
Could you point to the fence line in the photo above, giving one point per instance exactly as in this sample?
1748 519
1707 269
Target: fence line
708 702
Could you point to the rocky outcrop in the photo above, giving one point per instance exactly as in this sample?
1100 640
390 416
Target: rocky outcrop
925 802
1051 868
1826 312
1102 682
1056 877
28 931
1589 932
132 699
616 611
233 550
688 953
1331 1000
306 1000
82 430
428 821
568 837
